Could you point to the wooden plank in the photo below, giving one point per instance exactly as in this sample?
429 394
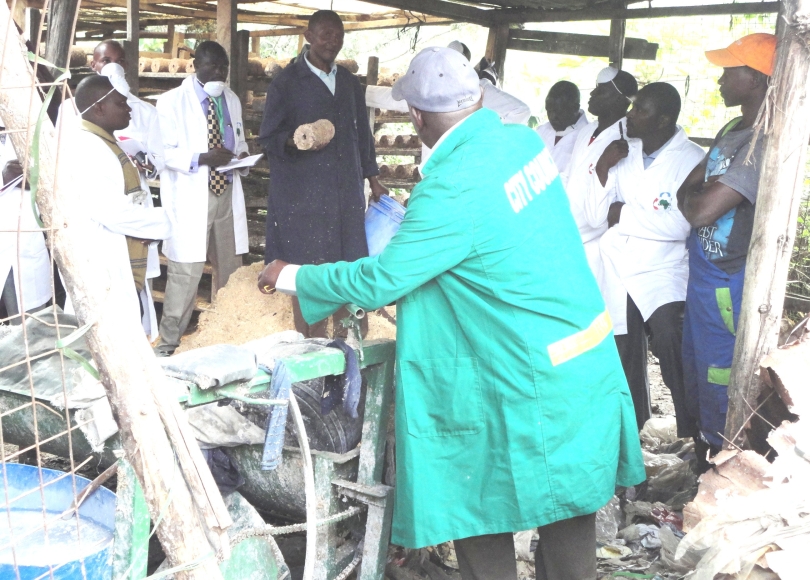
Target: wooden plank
226 31
131 44
372 72
497 43
521 15
60 31
239 65
578 44
785 128
441 8
616 44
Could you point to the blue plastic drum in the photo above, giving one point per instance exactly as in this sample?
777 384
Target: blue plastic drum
76 548
382 222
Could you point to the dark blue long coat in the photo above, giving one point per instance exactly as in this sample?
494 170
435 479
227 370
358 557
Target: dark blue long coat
315 206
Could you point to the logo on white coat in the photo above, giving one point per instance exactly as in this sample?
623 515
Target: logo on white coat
531 181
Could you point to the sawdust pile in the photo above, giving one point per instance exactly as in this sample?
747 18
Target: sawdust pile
242 313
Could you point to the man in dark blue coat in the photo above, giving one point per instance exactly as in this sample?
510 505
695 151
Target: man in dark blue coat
316 205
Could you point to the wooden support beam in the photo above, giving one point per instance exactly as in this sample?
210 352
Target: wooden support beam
578 44
353 26
33 19
226 30
239 65
372 76
131 44
441 8
786 124
19 12
255 46
61 18
617 42
497 43
519 15
170 45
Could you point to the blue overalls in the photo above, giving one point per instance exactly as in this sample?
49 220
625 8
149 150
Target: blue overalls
713 300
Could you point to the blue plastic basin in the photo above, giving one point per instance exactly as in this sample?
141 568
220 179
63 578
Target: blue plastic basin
28 551
382 222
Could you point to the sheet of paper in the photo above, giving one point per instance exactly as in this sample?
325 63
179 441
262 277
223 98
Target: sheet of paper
238 163
131 146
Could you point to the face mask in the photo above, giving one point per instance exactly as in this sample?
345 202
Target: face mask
115 72
214 88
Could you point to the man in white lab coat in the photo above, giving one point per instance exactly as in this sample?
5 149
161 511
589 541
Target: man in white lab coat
202 130
565 121
140 140
644 252
111 194
25 268
609 102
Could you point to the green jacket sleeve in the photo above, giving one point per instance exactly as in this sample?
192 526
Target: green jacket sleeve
436 235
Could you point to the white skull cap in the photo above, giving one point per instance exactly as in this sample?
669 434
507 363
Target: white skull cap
457 46
607 74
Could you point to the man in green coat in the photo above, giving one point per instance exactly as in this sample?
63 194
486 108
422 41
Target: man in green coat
512 410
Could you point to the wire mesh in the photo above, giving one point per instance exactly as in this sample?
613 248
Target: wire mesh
41 534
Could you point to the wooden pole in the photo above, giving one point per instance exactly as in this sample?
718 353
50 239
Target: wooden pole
131 376
60 31
495 52
616 45
226 31
131 44
256 46
372 76
786 124
169 45
33 18
239 65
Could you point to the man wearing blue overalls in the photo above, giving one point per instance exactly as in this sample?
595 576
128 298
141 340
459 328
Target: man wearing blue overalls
718 200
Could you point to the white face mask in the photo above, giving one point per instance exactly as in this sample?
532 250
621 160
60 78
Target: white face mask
214 88
115 72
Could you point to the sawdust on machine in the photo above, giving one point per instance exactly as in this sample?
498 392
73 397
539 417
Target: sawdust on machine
241 313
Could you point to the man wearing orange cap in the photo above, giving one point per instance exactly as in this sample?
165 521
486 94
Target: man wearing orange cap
718 200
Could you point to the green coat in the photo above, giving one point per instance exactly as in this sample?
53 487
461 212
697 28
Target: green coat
512 410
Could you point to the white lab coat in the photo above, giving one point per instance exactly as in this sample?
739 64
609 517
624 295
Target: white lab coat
99 189
184 130
143 126
562 149
644 254
577 181
32 280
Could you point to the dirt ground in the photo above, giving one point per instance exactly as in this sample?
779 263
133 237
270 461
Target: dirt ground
660 398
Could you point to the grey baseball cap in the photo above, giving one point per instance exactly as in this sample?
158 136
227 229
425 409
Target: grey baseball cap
439 80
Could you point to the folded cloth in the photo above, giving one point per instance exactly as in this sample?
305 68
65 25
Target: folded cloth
343 388
212 366
277 419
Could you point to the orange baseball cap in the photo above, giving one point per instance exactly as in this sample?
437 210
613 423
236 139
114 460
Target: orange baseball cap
757 51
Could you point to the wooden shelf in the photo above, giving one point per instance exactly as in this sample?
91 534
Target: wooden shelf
392 118
398 151
398 183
